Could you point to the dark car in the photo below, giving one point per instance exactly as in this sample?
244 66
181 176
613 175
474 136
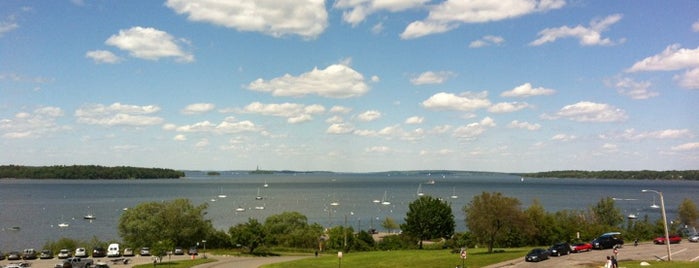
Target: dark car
609 240
558 249
537 255
46 254
99 252
674 239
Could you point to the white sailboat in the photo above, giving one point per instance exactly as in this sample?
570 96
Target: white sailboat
260 207
63 224
654 205
258 197
453 193
240 209
419 190
221 195
266 184
384 201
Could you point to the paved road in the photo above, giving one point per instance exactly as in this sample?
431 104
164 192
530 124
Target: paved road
643 252
223 261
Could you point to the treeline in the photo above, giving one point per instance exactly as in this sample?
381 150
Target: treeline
691 175
86 172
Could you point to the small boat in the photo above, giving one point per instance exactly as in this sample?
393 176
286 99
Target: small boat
334 203
419 190
384 201
240 209
259 207
89 216
654 205
14 228
221 195
63 225
431 182
258 197
265 185
632 216
453 193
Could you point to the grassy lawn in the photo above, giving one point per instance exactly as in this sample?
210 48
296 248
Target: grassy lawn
177 264
658 264
406 258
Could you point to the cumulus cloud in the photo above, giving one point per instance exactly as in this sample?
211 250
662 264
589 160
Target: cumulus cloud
586 111
523 125
150 44
473 130
102 56
671 59
634 135
526 90
305 18
563 137
508 107
588 36
118 114
179 137
335 81
369 116
691 146
228 126
488 40
448 15
690 79
340 109
464 102
695 26
378 149
355 11
413 120
293 112
198 108
7 26
431 77
34 124
633 89
340 128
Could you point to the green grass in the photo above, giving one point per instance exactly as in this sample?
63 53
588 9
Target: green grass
406 258
658 264
177 264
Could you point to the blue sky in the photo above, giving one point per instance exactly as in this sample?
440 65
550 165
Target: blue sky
351 85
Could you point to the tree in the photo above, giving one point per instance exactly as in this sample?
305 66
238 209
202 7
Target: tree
291 229
389 224
177 222
542 223
607 214
428 218
250 234
492 216
687 212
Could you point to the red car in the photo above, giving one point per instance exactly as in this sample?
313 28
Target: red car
674 239
580 247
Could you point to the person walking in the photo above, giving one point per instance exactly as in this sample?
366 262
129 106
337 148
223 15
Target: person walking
614 263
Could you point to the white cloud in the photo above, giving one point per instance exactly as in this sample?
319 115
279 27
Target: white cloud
335 81
431 77
294 112
334 120
691 146
118 114
305 18
37 123
448 15
7 26
526 90
690 79
198 108
202 143
473 130
585 111
360 9
488 40
633 135
339 128
523 125
102 56
369 116
464 102
150 44
563 137
589 36
695 26
672 58
413 120
180 137
378 149
340 109
508 107
633 89
228 126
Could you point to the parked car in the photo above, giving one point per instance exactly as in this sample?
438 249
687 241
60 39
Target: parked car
29 254
580 247
693 238
193 251
45 254
14 255
80 253
99 252
113 250
674 239
178 251
558 249
128 252
145 251
608 240
537 255
63 253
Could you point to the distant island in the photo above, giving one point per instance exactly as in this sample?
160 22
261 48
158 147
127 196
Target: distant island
258 171
89 172
690 175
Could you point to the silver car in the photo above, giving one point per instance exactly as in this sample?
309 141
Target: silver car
693 238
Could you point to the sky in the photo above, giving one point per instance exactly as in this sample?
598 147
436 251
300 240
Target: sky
351 85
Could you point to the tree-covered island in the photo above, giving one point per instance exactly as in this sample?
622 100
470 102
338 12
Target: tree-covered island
690 175
90 172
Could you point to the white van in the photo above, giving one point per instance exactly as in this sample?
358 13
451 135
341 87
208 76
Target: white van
113 250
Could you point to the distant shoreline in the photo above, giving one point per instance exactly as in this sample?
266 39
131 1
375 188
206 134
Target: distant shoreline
86 172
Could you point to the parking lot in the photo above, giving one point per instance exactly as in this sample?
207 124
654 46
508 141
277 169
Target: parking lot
649 252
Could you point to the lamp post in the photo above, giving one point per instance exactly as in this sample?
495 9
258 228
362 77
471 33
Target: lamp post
662 210
204 242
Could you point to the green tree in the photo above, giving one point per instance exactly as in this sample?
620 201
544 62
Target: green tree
428 218
542 224
291 229
250 234
340 238
492 216
177 221
606 213
389 224
688 213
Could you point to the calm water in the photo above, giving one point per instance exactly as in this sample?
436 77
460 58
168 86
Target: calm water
38 206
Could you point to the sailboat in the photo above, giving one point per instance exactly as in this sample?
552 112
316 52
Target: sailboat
63 224
654 205
266 184
240 209
419 190
221 195
453 193
260 207
89 216
384 201
258 197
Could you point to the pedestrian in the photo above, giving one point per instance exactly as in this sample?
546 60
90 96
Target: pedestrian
616 252
635 242
614 263
608 264
316 254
